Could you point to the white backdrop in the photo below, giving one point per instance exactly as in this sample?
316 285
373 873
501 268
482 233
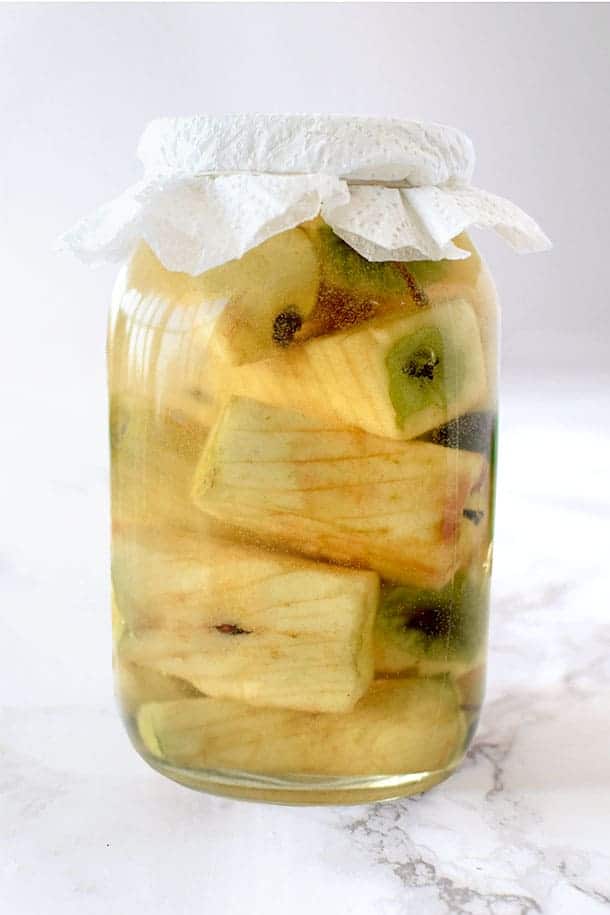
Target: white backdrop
528 82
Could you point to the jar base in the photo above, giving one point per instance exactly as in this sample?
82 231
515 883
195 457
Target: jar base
302 790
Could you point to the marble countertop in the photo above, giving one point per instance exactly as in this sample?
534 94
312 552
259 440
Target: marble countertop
86 828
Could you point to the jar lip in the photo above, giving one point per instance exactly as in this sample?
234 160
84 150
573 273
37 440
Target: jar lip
353 148
350 182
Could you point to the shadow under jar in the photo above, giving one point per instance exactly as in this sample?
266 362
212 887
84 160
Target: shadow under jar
302 364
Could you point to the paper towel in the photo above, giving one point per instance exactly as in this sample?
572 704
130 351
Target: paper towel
216 186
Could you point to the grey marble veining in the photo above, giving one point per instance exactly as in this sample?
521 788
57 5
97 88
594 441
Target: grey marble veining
522 827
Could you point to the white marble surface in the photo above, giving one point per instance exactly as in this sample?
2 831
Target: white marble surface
523 827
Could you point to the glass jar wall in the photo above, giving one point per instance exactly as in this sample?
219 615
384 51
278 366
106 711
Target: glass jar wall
302 459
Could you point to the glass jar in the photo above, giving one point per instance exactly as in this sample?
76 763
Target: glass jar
302 491
302 367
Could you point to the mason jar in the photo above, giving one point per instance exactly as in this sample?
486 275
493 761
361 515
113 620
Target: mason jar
302 471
